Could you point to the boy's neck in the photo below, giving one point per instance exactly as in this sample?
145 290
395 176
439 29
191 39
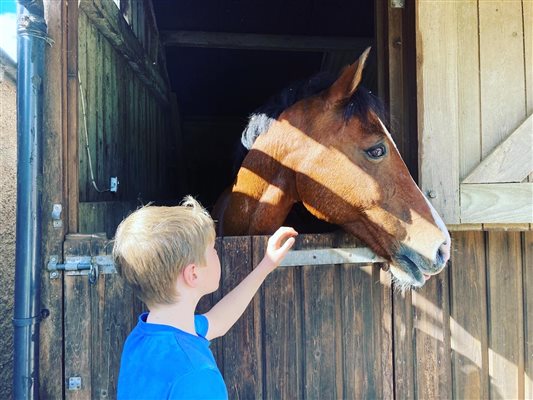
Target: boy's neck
179 315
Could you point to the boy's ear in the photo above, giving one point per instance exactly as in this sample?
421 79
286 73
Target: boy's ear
190 275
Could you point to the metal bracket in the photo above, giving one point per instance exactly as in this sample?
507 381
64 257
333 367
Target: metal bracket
74 383
397 3
92 266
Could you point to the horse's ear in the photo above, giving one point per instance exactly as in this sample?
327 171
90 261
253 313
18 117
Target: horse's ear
349 79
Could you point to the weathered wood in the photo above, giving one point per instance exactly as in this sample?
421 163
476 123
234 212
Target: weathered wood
527 271
511 161
490 203
54 153
438 125
98 319
468 316
111 23
432 339
501 49
226 40
73 47
366 334
103 216
77 320
506 315
319 328
242 367
282 335
468 102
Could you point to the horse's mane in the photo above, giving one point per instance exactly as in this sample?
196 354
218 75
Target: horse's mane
358 105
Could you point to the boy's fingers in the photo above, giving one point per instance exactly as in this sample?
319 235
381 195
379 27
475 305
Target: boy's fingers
282 233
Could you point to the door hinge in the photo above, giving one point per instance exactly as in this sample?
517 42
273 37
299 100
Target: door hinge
92 266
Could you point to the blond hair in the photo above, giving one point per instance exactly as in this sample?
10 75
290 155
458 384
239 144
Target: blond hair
154 244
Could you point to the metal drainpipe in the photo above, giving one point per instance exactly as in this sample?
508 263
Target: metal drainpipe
31 40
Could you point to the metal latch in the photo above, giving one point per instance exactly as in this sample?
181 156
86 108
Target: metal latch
92 266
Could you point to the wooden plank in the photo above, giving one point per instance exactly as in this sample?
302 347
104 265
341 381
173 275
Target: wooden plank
468 101
527 9
329 256
506 322
404 379
366 312
501 49
77 323
103 216
468 316
50 364
498 203
242 368
527 271
83 162
73 49
511 161
319 326
111 23
253 41
432 339
282 334
437 95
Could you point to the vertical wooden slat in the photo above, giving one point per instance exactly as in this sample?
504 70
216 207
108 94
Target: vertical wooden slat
77 322
527 7
99 134
54 153
506 318
432 339
281 330
527 268
319 354
242 351
468 316
437 61
73 49
404 379
83 74
469 122
502 72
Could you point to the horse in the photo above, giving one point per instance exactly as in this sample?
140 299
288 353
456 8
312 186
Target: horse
326 146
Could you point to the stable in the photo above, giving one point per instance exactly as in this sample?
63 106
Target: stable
142 101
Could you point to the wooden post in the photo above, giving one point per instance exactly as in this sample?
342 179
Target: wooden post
51 329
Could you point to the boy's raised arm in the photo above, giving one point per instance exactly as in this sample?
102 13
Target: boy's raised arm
228 310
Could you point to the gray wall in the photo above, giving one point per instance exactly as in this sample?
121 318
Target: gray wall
8 193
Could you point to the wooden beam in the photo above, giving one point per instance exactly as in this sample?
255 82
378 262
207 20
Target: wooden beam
252 41
497 203
357 255
511 161
437 96
107 17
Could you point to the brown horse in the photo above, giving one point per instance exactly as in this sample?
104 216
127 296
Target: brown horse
331 152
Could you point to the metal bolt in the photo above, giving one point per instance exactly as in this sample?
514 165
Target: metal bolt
432 194
54 275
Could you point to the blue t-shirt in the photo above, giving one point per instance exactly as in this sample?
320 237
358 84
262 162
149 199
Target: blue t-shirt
163 362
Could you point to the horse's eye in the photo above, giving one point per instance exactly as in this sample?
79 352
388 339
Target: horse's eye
376 152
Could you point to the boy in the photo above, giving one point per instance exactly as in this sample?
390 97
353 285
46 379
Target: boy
167 255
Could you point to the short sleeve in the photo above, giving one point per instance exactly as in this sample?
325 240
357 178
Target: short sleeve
201 325
201 384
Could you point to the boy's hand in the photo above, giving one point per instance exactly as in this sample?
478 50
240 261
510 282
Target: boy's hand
276 249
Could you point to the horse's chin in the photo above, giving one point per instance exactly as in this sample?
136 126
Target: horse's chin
411 270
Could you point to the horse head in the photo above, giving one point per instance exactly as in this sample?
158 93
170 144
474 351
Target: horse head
332 152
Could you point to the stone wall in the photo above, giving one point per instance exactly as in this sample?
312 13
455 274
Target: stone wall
8 203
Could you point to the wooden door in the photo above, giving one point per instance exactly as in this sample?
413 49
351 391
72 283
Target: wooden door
475 105
99 313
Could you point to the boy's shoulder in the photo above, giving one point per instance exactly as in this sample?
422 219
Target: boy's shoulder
161 356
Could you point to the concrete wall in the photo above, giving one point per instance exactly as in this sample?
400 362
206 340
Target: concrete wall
8 203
